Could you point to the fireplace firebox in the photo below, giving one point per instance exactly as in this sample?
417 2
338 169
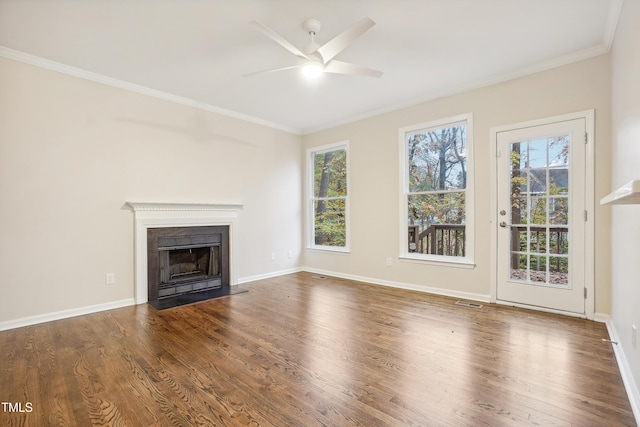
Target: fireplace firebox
187 264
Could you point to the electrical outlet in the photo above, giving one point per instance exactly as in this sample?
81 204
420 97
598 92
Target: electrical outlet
634 336
110 279
273 256
290 254
389 262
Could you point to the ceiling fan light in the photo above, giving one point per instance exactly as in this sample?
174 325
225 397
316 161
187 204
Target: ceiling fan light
312 69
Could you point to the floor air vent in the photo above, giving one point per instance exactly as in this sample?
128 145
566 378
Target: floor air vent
319 277
469 304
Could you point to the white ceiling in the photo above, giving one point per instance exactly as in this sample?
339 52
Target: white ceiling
197 50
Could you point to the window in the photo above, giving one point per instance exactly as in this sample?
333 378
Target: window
437 191
329 197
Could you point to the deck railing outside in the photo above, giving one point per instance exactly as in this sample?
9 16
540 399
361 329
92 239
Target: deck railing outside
558 239
438 239
449 240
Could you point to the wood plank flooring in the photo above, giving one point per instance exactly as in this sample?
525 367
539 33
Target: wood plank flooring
301 351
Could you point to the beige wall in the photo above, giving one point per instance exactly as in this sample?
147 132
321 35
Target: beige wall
72 152
625 229
374 157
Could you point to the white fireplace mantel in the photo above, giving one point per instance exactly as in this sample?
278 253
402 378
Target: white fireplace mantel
626 195
156 215
146 206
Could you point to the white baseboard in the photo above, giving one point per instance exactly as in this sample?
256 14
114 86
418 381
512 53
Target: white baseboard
268 275
403 285
623 365
64 314
48 317
625 371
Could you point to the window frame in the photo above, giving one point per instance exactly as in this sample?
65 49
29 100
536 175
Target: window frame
468 261
311 199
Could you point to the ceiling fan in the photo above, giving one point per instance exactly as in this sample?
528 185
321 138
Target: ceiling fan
315 58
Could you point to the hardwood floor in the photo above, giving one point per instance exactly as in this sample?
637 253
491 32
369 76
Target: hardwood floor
301 351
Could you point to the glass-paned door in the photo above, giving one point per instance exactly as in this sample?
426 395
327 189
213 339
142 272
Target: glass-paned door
541 224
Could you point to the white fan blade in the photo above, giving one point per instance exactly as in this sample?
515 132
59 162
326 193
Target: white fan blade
279 39
271 70
340 67
341 41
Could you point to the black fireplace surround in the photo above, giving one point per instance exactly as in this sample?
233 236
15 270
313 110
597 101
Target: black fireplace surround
187 264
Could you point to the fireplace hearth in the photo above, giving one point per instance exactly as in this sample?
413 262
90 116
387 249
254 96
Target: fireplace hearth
162 215
187 264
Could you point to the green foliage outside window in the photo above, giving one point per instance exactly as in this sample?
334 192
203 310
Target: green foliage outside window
329 198
540 207
437 182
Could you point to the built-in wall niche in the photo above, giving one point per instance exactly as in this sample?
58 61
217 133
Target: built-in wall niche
187 264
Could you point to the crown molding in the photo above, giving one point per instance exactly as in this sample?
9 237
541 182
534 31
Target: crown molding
478 84
604 48
37 61
612 23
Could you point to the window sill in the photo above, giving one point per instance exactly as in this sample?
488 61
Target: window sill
447 262
332 249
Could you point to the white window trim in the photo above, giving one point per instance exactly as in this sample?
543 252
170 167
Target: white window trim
468 261
310 199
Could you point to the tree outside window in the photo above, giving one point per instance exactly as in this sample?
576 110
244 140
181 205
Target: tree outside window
329 200
539 171
436 189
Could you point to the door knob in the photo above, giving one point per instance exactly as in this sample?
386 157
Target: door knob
503 224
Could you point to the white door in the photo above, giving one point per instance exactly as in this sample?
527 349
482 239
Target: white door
541 215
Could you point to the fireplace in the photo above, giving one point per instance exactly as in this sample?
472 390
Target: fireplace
187 264
192 216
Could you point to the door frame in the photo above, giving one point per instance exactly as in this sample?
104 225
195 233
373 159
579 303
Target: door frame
589 254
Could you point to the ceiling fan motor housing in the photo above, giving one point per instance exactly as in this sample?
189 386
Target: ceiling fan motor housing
311 25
